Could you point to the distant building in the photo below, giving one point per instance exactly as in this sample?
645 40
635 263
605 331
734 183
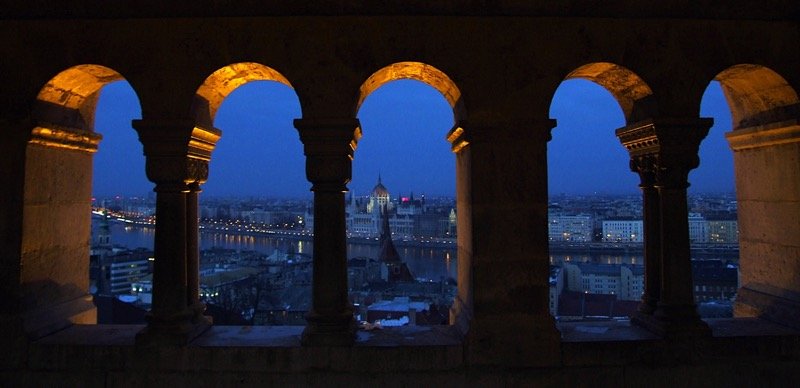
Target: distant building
397 269
582 305
698 228
124 268
362 271
714 280
577 228
112 269
625 281
397 309
556 287
623 231
409 217
723 231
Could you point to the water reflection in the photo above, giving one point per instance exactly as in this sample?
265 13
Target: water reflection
597 258
424 262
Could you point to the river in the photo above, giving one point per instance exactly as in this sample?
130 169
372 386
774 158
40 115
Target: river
424 262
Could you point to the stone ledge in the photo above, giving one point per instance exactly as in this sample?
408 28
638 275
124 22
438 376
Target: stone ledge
618 343
275 349
610 353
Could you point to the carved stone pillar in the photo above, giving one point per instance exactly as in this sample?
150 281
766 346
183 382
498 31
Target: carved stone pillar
193 255
329 146
461 311
672 144
505 248
177 154
651 216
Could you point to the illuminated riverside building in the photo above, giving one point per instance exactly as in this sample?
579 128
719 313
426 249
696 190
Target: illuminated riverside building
575 228
622 231
723 231
700 230
113 269
409 217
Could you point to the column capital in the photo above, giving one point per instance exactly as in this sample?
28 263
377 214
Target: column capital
329 144
507 130
176 137
176 150
673 136
671 144
646 167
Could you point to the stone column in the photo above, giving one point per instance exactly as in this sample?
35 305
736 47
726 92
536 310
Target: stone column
177 155
768 196
56 187
329 145
673 145
193 255
508 244
651 217
461 313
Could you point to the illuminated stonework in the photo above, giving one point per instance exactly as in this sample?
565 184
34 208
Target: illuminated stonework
71 139
416 71
222 82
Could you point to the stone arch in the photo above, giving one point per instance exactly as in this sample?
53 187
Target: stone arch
69 99
765 141
633 95
57 199
417 71
211 94
757 96
461 310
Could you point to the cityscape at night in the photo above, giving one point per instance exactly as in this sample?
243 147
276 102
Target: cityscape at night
378 194
265 245
252 240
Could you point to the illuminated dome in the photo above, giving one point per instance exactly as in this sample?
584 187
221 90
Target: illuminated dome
380 190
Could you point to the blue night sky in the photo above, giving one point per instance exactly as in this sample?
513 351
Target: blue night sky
404 124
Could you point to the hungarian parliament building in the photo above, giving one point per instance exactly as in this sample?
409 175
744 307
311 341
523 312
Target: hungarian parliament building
409 217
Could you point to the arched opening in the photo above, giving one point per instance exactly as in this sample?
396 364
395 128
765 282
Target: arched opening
631 92
419 71
123 213
402 215
221 83
255 258
595 225
757 96
766 143
55 268
713 227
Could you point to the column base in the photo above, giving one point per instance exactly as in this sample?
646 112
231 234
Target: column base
460 315
768 302
50 319
329 330
647 307
516 340
177 331
198 318
673 322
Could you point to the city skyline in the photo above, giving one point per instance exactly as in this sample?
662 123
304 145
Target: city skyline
401 119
